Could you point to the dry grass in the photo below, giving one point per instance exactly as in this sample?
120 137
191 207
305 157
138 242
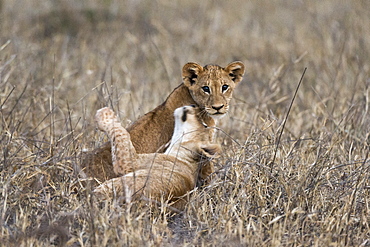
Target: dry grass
62 60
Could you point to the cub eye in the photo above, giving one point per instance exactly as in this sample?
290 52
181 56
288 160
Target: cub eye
225 87
206 89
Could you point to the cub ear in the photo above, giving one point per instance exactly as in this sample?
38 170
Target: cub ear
235 71
211 150
190 73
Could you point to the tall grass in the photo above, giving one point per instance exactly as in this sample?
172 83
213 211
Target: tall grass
62 60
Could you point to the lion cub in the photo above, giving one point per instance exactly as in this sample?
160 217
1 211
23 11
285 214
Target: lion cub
167 176
209 87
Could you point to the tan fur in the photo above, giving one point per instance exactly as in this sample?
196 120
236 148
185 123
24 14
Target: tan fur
151 132
167 176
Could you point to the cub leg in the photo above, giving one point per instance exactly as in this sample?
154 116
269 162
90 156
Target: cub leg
116 186
130 187
153 185
123 152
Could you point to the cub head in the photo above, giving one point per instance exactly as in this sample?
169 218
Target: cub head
186 119
189 126
212 86
193 133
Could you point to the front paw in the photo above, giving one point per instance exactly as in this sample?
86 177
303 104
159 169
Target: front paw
105 119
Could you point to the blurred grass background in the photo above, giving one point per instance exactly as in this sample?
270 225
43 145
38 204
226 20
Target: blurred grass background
62 60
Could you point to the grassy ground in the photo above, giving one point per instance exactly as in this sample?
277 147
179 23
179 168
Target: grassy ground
62 60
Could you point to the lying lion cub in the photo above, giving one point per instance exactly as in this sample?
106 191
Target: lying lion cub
210 88
168 175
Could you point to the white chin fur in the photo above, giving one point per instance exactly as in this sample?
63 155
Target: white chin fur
217 116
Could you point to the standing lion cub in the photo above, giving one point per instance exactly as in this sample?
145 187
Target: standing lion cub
210 88
167 176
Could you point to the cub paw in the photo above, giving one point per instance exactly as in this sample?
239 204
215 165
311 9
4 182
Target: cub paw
105 119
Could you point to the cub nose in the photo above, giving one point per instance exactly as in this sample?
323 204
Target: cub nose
217 107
